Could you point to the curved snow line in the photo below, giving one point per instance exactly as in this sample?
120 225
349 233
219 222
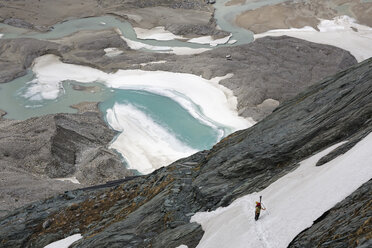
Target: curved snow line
342 32
205 100
293 202
135 45
209 40
145 145
216 101
64 243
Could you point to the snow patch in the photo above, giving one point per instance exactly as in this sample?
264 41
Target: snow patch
157 33
112 51
154 62
71 179
64 243
209 40
342 32
135 45
293 202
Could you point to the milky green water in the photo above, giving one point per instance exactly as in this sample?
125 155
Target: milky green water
91 23
162 110
225 16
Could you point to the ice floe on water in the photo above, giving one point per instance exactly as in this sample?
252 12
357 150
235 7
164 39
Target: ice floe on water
342 32
206 100
136 45
156 33
209 40
293 202
160 34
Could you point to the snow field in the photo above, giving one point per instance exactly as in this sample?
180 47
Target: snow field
156 33
209 40
136 45
342 32
145 144
71 179
64 243
293 202
217 105
159 33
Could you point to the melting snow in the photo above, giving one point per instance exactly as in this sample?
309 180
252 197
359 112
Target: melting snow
64 243
293 202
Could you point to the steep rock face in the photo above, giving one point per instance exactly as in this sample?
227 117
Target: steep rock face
348 224
155 210
57 145
35 151
336 109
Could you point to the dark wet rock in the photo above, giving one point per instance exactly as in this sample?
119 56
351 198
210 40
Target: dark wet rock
155 210
348 224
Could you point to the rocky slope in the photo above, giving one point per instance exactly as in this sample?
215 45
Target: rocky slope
266 72
348 224
154 210
55 146
189 18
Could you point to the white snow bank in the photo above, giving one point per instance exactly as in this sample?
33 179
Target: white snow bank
145 145
157 33
1 35
218 105
64 243
209 40
71 179
293 202
154 62
135 45
112 51
339 32
216 101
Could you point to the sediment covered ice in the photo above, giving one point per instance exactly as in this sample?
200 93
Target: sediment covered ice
206 100
342 32
292 203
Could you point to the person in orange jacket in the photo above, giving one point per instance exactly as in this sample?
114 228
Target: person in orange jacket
259 206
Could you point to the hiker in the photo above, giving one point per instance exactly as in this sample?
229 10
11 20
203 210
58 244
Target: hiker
259 206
